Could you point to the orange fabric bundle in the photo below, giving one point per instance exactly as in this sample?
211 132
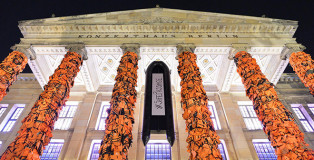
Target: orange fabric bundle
35 132
118 132
278 122
10 67
202 140
303 66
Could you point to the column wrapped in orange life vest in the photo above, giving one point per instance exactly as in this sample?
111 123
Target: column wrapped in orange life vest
278 122
303 66
35 132
10 67
118 131
202 139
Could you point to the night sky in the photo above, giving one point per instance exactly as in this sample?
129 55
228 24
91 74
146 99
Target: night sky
12 11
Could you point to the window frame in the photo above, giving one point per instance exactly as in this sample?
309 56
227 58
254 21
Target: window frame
214 114
8 118
157 142
306 117
223 143
66 120
249 121
254 141
3 108
102 110
58 141
95 141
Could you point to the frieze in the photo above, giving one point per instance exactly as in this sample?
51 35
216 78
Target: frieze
161 36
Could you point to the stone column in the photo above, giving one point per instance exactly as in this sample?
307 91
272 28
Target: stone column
35 132
10 67
278 123
303 65
202 139
118 132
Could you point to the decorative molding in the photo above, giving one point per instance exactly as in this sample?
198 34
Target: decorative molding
185 47
158 50
36 71
229 77
281 68
289 77
266 50
104 50
290 48
22 78
87 78
158 20
212 50
237 47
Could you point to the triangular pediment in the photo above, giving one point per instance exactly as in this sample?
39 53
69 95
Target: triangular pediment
155 16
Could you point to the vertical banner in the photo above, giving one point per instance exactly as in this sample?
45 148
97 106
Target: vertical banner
158 97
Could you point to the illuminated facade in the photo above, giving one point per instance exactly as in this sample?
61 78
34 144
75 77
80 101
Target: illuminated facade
158 31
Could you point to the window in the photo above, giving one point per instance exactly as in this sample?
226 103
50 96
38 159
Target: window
0 145
158 149
101 122
18 108
311 107
94 150
264 149
303 117
213 116
249 116
52 151
66 116
223 150
3 107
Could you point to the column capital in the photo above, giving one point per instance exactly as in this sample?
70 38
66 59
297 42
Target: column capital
26 49
237 47
131 47
185 47
78 48
290 48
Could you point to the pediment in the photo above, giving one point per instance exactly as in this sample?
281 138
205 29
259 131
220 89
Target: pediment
155 16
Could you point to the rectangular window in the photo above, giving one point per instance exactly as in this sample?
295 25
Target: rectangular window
0 145
94 150
158 149
53 150
303 117
249 116
264 149
214 115
66 116
12 119
223 150
101 122
3 107
311 107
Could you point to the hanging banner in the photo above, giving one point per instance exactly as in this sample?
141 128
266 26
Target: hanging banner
158 98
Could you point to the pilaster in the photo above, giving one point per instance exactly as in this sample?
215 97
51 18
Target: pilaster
234 118
80 129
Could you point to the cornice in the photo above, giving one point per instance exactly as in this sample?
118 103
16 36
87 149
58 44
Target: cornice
159 27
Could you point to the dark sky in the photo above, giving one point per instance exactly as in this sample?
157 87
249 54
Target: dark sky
12 11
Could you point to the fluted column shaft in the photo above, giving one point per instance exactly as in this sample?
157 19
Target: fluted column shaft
10 67
278 122
202 138
35 132
118 133
303 66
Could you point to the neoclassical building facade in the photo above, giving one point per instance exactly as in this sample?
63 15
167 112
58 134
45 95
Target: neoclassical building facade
156 34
